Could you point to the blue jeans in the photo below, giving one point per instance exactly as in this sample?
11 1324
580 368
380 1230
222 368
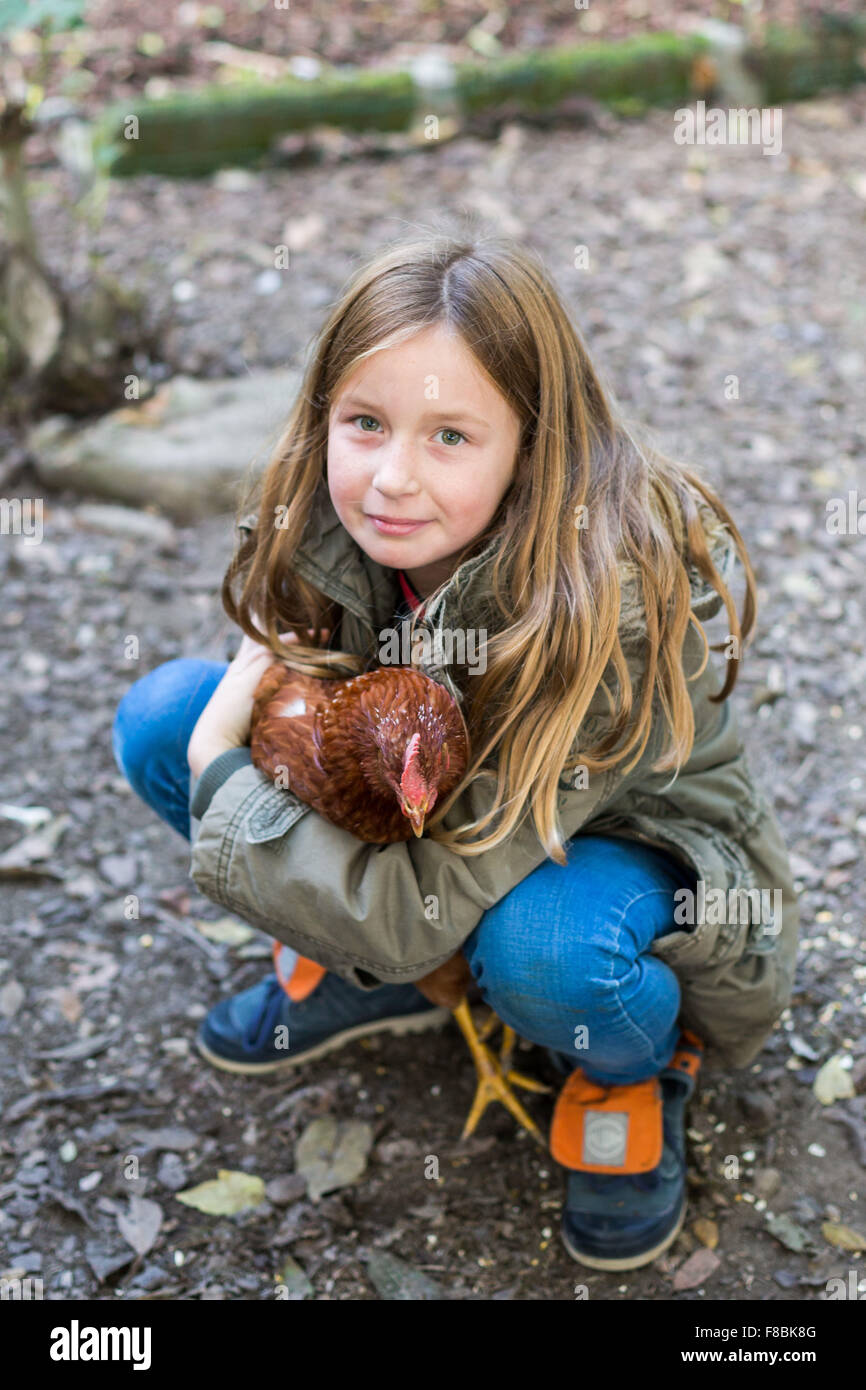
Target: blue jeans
564 958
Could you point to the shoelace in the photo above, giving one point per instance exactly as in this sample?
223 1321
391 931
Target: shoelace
264 1025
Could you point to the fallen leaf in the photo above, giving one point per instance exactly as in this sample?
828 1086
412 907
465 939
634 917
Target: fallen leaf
228 1193
295 1280
834 1081
21 859
332 1153
397 1281
843 1237
105 1258
141 1225
68 1202
228 931
792 1236
174 1138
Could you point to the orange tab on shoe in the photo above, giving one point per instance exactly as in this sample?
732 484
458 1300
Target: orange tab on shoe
689 1054
305 975
608 1129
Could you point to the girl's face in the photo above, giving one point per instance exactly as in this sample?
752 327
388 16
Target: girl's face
419 434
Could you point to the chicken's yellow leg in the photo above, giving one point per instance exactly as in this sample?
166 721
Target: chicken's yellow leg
495 1074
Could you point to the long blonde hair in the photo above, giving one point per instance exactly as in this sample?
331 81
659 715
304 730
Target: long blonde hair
554 585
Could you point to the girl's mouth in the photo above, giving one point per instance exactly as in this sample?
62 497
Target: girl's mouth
394 528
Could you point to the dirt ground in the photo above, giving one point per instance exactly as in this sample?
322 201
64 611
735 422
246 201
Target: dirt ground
703 265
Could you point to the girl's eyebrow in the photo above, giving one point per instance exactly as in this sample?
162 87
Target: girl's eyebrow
430 416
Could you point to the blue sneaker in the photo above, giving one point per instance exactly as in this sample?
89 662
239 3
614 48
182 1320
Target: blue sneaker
262 1030
625 1149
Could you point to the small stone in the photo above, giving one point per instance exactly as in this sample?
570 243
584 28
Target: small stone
805 1209
11 998
151 1277
767 1181
706 1231
33 1177
285 1189
758 1108
171 1172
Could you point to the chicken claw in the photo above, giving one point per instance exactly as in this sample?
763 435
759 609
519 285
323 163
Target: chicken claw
495 1075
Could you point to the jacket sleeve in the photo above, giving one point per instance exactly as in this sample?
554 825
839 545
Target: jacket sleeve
370 913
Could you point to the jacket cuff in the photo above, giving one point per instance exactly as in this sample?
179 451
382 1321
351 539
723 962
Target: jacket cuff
203 788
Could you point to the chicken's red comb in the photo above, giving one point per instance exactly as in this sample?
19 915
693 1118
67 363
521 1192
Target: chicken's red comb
412 784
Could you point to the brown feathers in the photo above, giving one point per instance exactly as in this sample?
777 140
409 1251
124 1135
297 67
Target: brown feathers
372 754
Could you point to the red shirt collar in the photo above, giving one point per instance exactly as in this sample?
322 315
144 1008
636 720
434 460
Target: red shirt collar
413 599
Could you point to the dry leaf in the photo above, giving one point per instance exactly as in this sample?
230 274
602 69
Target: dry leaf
228 931
843 1237
141 1225
834 1080
228 1193
332 1153
20 860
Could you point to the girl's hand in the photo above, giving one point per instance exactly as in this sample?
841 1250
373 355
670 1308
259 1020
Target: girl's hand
225 720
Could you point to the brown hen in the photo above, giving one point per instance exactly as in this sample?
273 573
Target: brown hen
373 754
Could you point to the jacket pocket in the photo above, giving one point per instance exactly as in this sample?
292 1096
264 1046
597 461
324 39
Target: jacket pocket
272 814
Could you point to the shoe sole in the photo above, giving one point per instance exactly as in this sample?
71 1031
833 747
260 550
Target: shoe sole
409 1023
627 1261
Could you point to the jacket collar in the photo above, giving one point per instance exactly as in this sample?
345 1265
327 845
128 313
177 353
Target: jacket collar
332 560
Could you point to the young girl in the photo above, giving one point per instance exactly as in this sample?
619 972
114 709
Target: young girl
607 862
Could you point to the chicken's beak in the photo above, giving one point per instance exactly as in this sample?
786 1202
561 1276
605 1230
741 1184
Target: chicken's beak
416 815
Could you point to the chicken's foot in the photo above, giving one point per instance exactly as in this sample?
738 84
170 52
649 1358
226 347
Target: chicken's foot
495 1075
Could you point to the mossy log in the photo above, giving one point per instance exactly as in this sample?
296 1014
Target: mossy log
194 133
794 64
651 70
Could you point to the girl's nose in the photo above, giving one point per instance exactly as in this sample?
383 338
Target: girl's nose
395 468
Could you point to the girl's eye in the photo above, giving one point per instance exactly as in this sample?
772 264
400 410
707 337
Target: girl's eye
356 418
453 433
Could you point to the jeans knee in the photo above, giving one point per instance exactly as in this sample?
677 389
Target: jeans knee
148 715
515 977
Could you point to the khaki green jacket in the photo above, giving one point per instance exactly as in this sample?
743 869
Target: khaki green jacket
364 911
